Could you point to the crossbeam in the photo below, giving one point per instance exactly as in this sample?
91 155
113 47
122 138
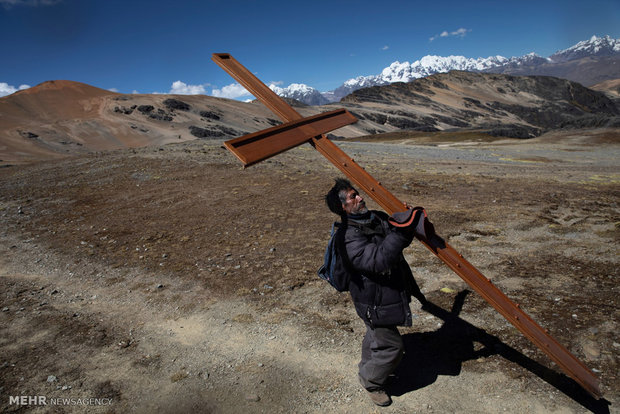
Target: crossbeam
572 366
258 146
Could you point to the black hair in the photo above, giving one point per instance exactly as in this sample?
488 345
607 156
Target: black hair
334 198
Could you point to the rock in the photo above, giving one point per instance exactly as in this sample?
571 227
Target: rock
124 344
204 133
591 350
51 379
210 115
176 104
123 110
160 115
27 134
252 398
145 109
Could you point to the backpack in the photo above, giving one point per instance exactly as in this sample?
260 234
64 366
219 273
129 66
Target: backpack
333 269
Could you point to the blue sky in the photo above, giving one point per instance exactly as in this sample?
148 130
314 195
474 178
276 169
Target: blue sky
166 46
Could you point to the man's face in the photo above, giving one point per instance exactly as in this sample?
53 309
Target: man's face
354 203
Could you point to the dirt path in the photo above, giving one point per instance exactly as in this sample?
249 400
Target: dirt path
170 280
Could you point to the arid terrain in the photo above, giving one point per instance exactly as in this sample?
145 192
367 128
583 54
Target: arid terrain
59 118
169 279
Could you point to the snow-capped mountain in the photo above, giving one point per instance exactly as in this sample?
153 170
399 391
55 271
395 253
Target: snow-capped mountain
595 46
514 63
301 92
428 65
406 72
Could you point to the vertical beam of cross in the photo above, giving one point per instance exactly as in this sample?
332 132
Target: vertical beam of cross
511 311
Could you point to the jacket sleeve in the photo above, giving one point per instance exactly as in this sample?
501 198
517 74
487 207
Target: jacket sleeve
371 257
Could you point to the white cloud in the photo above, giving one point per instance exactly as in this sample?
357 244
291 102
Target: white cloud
135 92
386 47
458 33
33 3
232 91
113 90
6 89
181 88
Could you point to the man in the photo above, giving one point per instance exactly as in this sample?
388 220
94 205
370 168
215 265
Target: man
381 283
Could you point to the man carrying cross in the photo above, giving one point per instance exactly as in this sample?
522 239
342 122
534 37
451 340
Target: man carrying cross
255 147
381 284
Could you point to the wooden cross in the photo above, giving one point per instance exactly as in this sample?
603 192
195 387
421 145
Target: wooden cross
296 130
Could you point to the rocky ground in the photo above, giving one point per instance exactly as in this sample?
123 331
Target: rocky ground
169 279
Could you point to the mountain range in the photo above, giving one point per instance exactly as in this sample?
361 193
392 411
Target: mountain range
61 118
588 62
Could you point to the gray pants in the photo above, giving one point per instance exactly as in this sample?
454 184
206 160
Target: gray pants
382 351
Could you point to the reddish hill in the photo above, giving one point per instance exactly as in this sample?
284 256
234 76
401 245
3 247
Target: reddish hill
53 100
60 118
33 122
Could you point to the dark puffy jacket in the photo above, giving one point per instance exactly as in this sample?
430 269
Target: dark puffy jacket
381 281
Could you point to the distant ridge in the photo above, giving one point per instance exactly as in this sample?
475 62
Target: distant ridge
501 105
55 85
587 62
60 118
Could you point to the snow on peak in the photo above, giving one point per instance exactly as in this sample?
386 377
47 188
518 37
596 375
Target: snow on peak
301 92
292 88
430 64
595 46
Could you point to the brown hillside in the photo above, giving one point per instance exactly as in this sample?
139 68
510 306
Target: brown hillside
60 118
52 101
609 87
503 105
44 111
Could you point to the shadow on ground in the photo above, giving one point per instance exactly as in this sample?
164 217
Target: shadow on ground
442 352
